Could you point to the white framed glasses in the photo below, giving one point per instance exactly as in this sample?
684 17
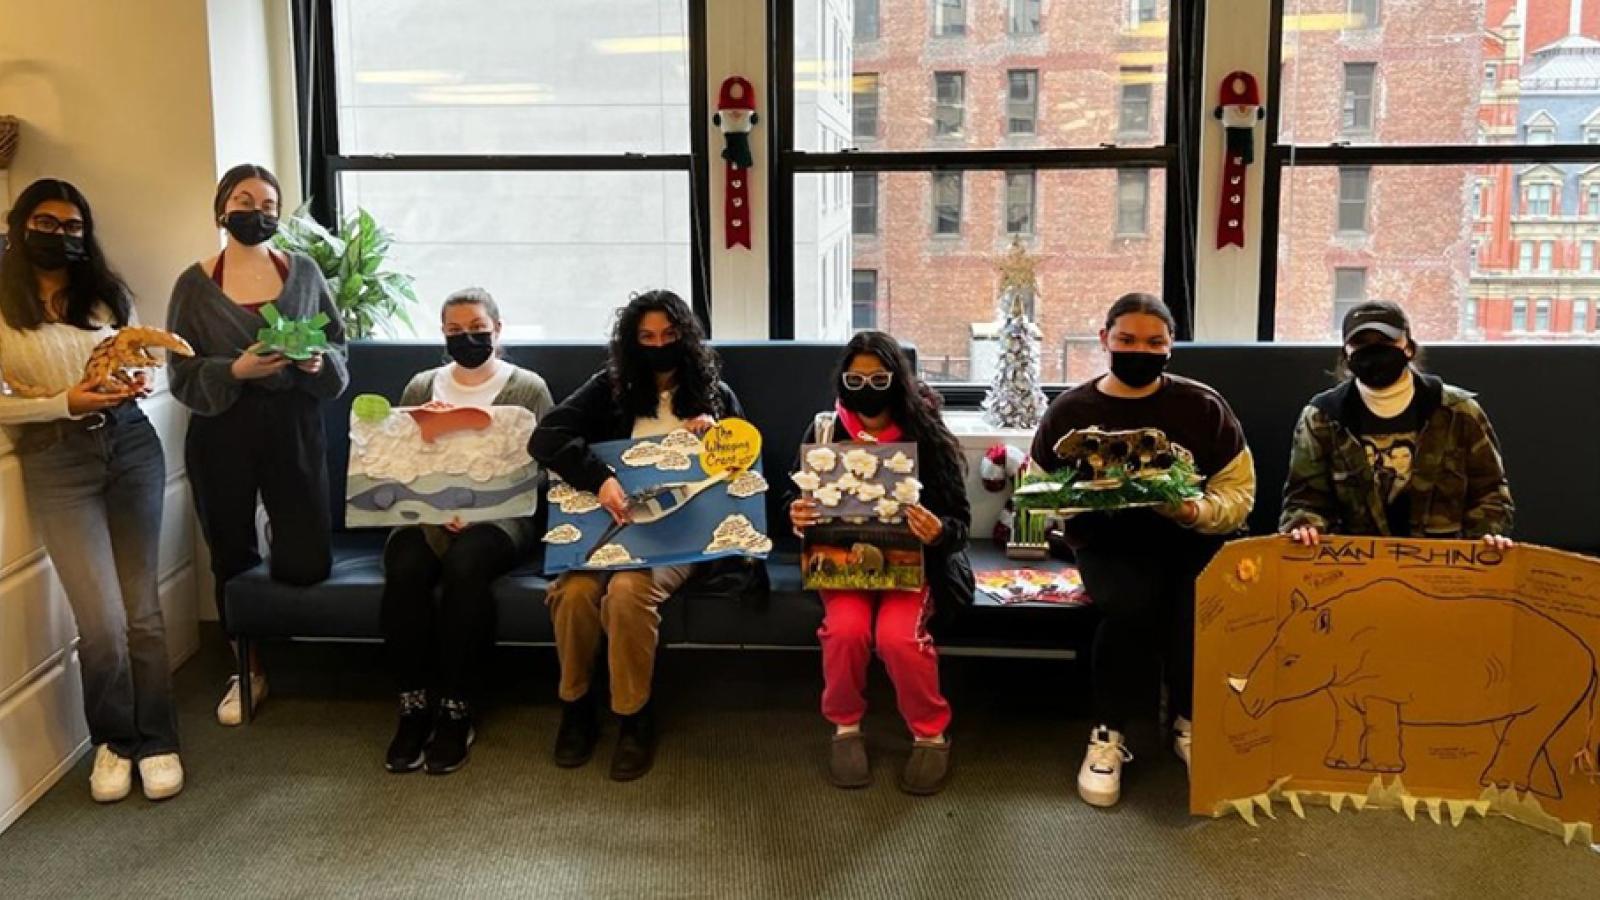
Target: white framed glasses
878 381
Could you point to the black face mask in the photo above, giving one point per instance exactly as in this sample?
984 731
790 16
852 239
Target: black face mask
865 401
51 252
1379 365
1136 369
470 349
250 226
663 359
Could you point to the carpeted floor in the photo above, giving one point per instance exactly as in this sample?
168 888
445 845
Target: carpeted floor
297 805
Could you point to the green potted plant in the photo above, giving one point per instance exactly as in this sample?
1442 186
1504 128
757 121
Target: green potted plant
371 298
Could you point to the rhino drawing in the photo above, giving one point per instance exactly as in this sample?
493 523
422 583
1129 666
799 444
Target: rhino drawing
1388 656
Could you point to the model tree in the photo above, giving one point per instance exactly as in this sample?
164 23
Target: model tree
1014 399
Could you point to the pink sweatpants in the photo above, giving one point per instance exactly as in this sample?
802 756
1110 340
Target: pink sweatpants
903 645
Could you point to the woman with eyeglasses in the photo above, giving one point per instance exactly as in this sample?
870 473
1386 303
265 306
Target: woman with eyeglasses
95 479
881 400
257 423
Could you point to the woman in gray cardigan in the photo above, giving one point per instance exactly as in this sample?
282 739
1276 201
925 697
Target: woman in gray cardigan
257 423
436 645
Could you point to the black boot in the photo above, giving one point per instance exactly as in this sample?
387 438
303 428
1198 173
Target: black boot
636 746
579 732
416 724
452 736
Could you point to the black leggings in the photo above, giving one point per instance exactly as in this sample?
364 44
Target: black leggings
438 612
1145 599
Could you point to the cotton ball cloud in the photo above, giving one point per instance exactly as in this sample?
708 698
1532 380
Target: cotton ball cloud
822 459
900 464
563 534
908 491
748 484
806 481
861 463
613 555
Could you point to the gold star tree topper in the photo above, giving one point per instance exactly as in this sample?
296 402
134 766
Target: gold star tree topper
1018 277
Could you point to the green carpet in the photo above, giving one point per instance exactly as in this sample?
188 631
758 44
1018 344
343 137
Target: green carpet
297 805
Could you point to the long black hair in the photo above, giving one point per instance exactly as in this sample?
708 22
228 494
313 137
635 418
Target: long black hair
633 382
91 283
913 405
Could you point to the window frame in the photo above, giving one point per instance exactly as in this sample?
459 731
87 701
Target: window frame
1367 24
935 217
1031 78
1118 229
856 303
1006 202
959 130
1148 89
941 28
1012 17
857 80
1349 102
856 206
1365 200
857 19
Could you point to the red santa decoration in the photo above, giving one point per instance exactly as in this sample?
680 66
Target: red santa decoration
1240 111
735 116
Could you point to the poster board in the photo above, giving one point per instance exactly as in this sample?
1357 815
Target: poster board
862 541
1442 675
420 466
692 500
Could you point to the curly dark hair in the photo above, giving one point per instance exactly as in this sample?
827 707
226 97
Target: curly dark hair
90 283
913 405
632 381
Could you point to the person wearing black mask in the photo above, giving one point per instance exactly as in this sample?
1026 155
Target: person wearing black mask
882 400
257 424
1393 451
1140 565
659 377
438 609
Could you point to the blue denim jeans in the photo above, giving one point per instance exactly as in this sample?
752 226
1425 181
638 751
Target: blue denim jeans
97 495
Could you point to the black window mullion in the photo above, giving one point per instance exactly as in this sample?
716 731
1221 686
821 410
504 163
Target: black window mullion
1271 182
780 178
699 169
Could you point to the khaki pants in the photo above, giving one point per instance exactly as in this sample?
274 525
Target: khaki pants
623 606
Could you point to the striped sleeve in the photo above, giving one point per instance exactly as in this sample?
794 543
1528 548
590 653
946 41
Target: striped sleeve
1229 497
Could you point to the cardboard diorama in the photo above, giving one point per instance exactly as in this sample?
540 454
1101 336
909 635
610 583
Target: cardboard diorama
296 339
1393 672
862 541
421 466
690 499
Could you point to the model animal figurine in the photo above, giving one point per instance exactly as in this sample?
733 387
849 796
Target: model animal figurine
109 364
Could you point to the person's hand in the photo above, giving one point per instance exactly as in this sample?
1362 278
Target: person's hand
1305 536
924 524
804 513
1184 513
455 525
700 424
311 366
1498 542
83 400
140 388
251 365
614 499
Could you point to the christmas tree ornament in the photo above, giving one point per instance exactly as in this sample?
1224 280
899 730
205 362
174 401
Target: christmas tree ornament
735 116
1240 111
1014 399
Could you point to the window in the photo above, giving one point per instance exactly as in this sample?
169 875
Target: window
949 97
1586 256
947 203
1349 290
1541 316
864 299
1019 202
864 203
1022 101
1140 12
1353 185
1580 316
1133 195
1525 256
1547 252
1519 314
1023 16
866 20
1592 200
1470 316
1361 14
1491 75
1538 198
1134 109
1591 134
1478 197
1541 134
864 109
1358 98
949 17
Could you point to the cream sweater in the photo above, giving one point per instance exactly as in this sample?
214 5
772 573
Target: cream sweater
40 366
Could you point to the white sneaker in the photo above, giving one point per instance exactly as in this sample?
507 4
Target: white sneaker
1183 739
1100 778
231 710
161 775
112 777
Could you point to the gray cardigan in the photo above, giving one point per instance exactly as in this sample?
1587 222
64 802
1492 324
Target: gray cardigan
220 329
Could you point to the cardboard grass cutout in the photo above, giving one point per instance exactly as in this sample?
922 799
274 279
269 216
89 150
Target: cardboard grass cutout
297 339
1399 672
862 541
423 466
689 500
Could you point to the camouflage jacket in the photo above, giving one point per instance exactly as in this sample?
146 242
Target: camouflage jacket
1458 483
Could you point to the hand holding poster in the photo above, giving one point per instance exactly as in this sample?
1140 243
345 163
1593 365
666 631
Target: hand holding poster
863 540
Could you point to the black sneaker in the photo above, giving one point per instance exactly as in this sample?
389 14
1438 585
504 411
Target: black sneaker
636 746
452 737
579 732
416 724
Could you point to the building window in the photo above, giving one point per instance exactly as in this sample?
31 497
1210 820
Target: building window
1349 290
949 17
1479 196
1133 111
865 108
866 20
1580 316
864 299
1541 316
949 97
1019 202
864 202
1133 192
1525 256
1140 12
1591 134
1361 14
1023 16
946 203
1519 314
1547 252
1586 256
1353 187
1469 315
1592 200
1022 101
1541 134
1358 78
1538 199
1491 75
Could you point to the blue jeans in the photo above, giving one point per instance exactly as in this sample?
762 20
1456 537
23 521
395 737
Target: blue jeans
97 495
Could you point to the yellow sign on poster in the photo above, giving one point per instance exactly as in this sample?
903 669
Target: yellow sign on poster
733 446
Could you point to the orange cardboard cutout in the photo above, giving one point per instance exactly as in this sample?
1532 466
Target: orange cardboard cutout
1398 672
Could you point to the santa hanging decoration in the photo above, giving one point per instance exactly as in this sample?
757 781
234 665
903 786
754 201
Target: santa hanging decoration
736 114
1000 465
1240 110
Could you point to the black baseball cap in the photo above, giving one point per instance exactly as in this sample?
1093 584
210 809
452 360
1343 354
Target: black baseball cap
1382 316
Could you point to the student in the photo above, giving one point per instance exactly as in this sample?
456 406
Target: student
95 480
1140 565
437 646
880 399
1392 451
660 377
257 423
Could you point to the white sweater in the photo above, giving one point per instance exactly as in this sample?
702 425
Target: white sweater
43 364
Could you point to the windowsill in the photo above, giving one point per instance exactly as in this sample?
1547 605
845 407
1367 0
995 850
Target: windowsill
1132 235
